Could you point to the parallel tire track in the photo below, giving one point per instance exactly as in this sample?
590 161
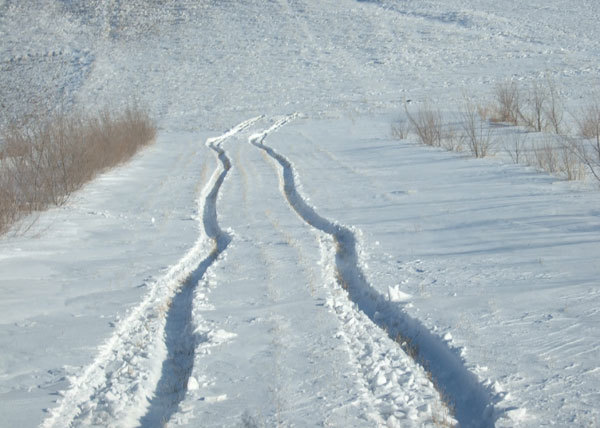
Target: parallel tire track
472 402
180 338
151 352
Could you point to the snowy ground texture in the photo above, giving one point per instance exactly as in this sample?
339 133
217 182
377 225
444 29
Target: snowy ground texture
276 258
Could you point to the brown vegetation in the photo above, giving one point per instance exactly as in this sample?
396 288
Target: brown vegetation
45 160
427 124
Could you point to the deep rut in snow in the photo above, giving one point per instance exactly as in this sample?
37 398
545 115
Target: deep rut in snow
471 401
180 339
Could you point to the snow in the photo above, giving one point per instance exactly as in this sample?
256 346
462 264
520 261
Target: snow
397 295
276 258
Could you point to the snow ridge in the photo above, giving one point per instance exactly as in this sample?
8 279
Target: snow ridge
472 403
149 348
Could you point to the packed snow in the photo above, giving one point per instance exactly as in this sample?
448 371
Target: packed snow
277 258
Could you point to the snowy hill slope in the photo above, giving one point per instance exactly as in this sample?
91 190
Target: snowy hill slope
260 269
229 57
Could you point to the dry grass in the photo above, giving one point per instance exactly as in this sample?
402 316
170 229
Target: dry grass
400 129
508 103
588 123
558 156
571 166
452 140
44 160
409 346
545 157
541 109
427 124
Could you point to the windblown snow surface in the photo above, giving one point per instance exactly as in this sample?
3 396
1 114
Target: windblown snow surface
277 258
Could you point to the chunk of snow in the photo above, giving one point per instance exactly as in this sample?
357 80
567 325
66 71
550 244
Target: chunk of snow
221 336
517 415
192 384
381 379
396 295
214 398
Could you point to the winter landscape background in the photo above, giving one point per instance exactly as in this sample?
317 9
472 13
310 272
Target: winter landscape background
280 256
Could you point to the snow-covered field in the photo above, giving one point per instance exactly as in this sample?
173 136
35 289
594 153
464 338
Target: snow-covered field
277 258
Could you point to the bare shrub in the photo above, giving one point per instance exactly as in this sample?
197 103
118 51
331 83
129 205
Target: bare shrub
559 156
400 128
8 210
485 111
546 157
534 117
427 125
516 148
554 110
508 107
589 123
453 140
478 135
588 150
43 161
570 164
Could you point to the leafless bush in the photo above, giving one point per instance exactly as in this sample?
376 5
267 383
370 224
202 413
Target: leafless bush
485 111
589 123
534 116
571 166
508 107
400 128
45 160
427 125
542 109
516 148
588 150
478 135
8 210
545 157
559 156
452 140
554 110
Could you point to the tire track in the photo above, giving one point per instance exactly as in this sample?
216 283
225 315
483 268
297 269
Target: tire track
472 403
180 338
151 352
